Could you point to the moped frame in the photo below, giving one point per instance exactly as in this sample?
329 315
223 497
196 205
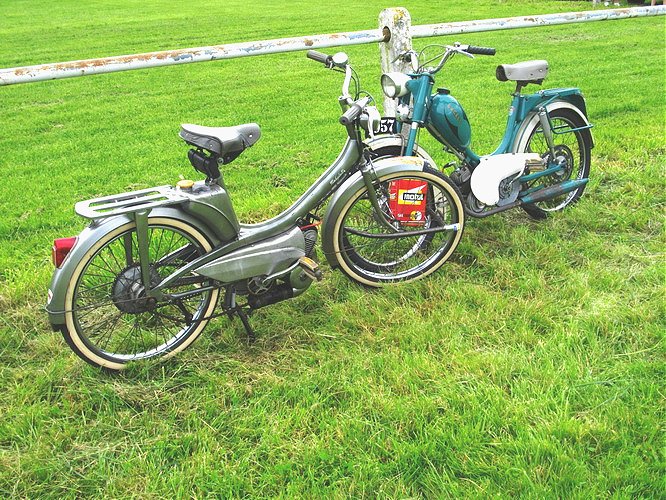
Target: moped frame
316 194
522 107
349 167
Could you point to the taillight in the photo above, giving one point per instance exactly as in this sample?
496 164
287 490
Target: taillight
61 247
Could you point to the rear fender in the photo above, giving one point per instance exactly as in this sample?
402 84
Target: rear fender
351 186
574 102
87 239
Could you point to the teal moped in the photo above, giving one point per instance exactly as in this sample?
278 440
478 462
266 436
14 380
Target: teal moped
543 161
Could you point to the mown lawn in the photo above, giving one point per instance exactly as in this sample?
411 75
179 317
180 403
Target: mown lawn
531 364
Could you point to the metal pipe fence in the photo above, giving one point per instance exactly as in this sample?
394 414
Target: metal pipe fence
383 34
428 30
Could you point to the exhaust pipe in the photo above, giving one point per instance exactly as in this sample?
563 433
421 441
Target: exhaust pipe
551 192
276 294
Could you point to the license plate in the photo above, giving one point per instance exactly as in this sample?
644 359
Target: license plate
388 125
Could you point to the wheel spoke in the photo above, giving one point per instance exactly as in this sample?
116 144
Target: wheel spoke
390 259
111 312
105 338
571 151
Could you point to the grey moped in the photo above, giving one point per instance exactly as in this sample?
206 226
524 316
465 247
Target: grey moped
145 277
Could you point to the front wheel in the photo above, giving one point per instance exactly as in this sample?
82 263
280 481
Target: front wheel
425 218
572 145
110 320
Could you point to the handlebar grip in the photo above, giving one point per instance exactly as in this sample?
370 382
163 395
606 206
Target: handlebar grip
482 51
354 111
351 114
319 57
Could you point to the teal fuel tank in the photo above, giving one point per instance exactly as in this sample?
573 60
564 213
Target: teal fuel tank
447 121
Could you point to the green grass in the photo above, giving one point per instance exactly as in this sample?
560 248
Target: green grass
531 364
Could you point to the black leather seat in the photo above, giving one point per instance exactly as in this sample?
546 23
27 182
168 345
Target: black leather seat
221 140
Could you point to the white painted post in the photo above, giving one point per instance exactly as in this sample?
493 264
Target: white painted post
396 24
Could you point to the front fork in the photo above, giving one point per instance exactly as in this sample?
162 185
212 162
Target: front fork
369 179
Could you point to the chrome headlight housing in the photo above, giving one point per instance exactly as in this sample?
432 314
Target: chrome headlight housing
395 84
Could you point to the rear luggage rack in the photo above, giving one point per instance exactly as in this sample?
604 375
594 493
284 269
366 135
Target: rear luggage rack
134 201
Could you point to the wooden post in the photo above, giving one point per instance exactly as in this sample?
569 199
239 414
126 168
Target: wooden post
396 25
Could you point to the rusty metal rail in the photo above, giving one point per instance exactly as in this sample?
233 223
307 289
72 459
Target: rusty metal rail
55 71
428 30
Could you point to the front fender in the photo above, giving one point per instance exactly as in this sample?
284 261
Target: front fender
351 186
62 276
396 140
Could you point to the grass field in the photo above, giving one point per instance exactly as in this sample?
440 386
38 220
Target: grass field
531 364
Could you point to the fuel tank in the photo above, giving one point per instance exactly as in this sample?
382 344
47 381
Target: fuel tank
212 205
447 121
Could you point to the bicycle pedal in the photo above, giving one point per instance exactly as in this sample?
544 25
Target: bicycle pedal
310 268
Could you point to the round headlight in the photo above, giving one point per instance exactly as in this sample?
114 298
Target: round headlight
395 84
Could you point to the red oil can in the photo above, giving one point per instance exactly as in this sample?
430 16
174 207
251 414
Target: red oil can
407 201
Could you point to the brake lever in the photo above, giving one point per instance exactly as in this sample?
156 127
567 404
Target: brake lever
462 49
410 57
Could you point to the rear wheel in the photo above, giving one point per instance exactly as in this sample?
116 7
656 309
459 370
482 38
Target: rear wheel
110 320
426 219
572 151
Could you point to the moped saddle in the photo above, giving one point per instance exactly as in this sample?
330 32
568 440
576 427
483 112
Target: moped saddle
526 72
221 140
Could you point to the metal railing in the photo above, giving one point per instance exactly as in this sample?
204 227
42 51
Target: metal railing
389 33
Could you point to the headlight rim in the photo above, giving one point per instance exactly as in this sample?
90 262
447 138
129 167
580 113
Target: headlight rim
397 81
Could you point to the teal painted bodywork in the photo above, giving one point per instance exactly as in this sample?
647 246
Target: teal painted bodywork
447 121
556 190
543 173
523 106
445 118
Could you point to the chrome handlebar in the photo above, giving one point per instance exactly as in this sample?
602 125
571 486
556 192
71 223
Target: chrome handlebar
451 50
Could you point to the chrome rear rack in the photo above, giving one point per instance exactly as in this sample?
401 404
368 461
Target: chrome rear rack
134 201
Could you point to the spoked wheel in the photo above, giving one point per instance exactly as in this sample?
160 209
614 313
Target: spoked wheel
110 320
572 152
426 219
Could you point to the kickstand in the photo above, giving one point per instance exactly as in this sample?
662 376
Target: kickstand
251 336
232 308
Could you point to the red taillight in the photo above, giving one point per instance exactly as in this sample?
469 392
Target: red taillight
61 247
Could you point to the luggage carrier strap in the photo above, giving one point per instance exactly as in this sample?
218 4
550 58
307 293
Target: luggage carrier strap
124 203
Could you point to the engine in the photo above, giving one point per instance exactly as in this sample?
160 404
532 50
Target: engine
494 180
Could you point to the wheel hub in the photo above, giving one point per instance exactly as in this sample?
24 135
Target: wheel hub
563 158
129 293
